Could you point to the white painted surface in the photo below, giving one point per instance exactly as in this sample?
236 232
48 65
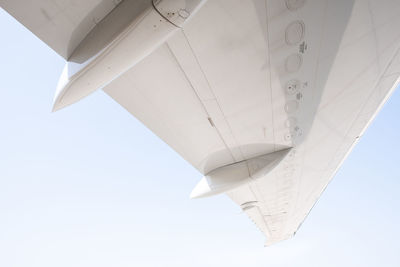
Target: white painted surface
147 32
248 78
62 24
236 83
230 177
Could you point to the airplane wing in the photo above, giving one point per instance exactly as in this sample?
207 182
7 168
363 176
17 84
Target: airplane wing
54 22
247 78
267 97
64 24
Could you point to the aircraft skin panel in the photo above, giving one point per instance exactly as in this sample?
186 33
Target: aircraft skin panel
241 80
351 97
64 24
55 21
184 126
235 58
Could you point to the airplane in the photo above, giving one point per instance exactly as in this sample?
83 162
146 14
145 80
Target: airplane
265 98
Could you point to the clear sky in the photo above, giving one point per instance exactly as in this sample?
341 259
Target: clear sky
91 186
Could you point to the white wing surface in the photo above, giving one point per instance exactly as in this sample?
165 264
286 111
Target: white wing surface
247 78
264 97
64 24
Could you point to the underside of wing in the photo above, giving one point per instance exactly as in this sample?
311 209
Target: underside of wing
264 97
248 78
64 24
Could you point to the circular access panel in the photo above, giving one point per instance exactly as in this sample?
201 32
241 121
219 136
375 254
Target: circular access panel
292 87
291 122
293 5
293 63
294 32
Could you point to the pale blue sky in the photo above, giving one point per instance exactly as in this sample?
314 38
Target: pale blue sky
91 186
